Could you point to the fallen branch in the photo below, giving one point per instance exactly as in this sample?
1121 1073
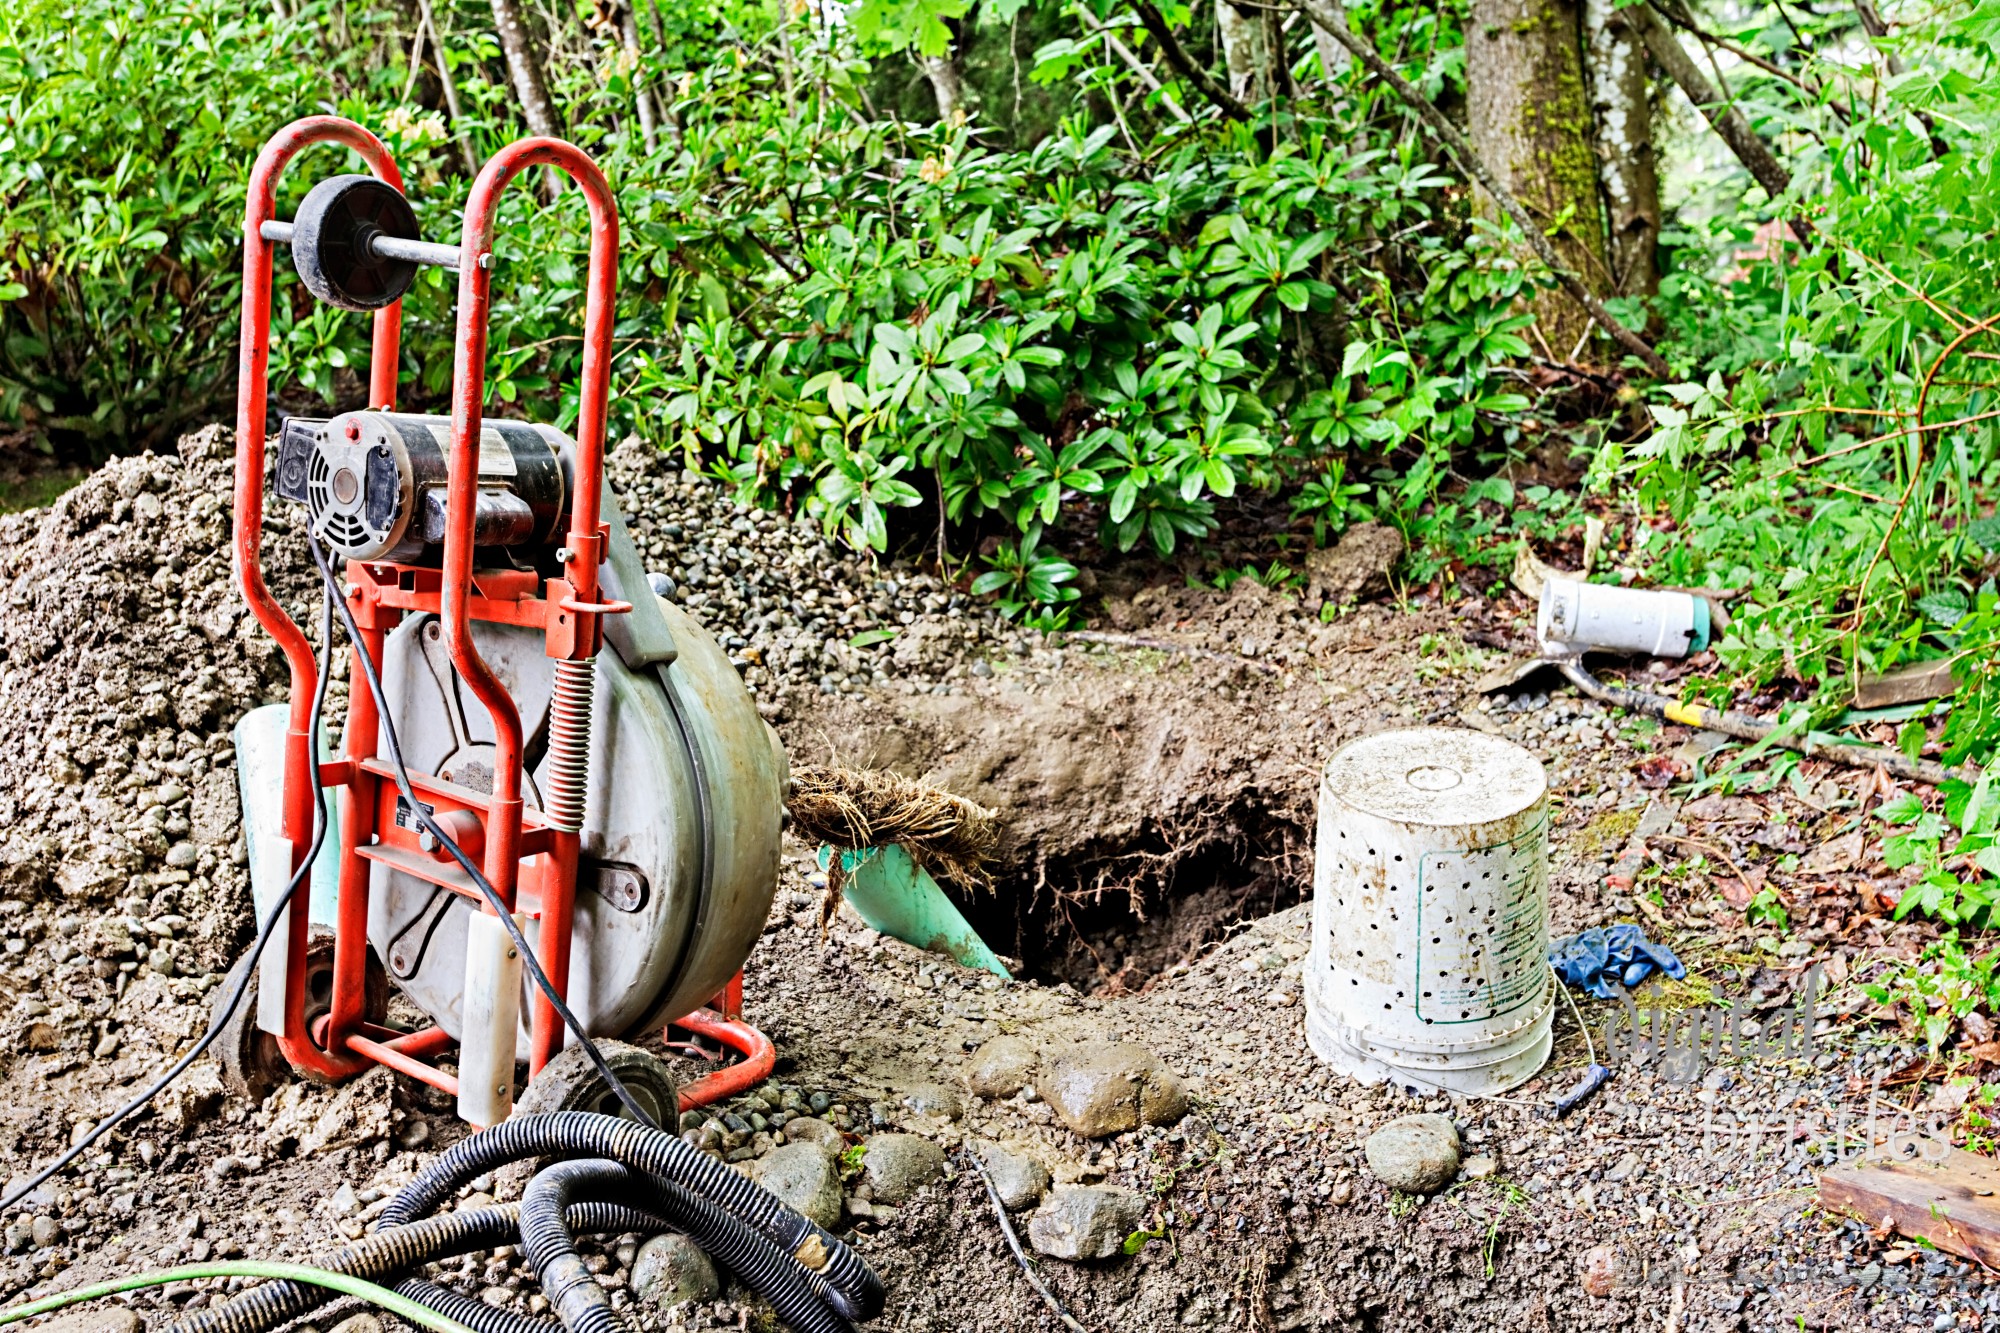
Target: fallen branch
1745 728
1177 56
1168 646
1014 1244
1461 148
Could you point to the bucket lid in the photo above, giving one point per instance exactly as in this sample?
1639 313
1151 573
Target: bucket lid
1440 777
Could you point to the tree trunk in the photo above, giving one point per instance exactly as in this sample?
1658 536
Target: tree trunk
1628 165
1727 121
942 71
1530 121
450 86
642 97
531 85
1333 57
1244 50
1469 160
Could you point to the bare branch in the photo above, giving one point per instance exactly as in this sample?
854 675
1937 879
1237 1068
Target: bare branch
1183 63
1138 66
1728 122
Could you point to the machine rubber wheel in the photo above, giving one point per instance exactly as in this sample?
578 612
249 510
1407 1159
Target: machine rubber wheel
571 1083
252 1063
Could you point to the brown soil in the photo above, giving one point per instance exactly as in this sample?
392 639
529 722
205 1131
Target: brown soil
1156 807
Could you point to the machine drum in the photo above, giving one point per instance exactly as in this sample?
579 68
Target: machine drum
668 903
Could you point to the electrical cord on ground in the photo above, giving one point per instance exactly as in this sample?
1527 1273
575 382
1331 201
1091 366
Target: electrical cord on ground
423 818
270 922
399 1305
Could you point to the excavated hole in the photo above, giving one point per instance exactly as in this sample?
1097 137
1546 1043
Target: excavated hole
1109 922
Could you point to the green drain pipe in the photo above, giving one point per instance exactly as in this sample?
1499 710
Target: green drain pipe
898 897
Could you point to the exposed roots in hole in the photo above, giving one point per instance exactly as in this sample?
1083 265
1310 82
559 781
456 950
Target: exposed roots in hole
1122 918
851 808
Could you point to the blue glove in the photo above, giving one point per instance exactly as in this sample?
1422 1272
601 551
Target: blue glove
1605 957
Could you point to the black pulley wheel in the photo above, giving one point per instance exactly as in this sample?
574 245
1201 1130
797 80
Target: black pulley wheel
333 242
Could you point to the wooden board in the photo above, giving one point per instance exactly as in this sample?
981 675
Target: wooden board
1906 685
1954 1204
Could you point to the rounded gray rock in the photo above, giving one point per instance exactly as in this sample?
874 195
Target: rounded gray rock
934 1100
1001 1068
1099 1089
671 1270
1417 1154
1085 1222
803 1178
898 1165
812 1130
1019 1179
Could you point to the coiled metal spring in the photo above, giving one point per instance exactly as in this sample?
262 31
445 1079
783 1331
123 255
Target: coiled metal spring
567 787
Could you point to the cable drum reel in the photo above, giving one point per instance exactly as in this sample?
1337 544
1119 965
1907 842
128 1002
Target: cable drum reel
680 833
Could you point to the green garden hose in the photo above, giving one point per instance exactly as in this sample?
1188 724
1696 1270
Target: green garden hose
401 1306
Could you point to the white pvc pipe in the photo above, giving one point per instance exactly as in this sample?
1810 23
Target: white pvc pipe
1577 616
492 1012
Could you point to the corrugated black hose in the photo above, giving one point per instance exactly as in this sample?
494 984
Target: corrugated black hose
476 1315
582 1303
546 1242
835 1272
400 1250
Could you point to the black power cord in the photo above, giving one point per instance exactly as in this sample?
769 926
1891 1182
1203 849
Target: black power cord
421 812
270 922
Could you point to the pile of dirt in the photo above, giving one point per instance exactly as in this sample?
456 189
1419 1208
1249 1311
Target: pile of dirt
1155 787
125 658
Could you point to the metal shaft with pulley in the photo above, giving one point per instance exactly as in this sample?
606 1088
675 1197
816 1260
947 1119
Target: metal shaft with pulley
355 243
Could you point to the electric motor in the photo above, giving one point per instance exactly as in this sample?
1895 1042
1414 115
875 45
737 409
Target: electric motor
375 483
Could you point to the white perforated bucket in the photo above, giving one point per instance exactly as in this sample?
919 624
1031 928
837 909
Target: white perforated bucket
1431 912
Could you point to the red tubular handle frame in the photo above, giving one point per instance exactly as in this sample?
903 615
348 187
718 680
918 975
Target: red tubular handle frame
253 368
583 548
